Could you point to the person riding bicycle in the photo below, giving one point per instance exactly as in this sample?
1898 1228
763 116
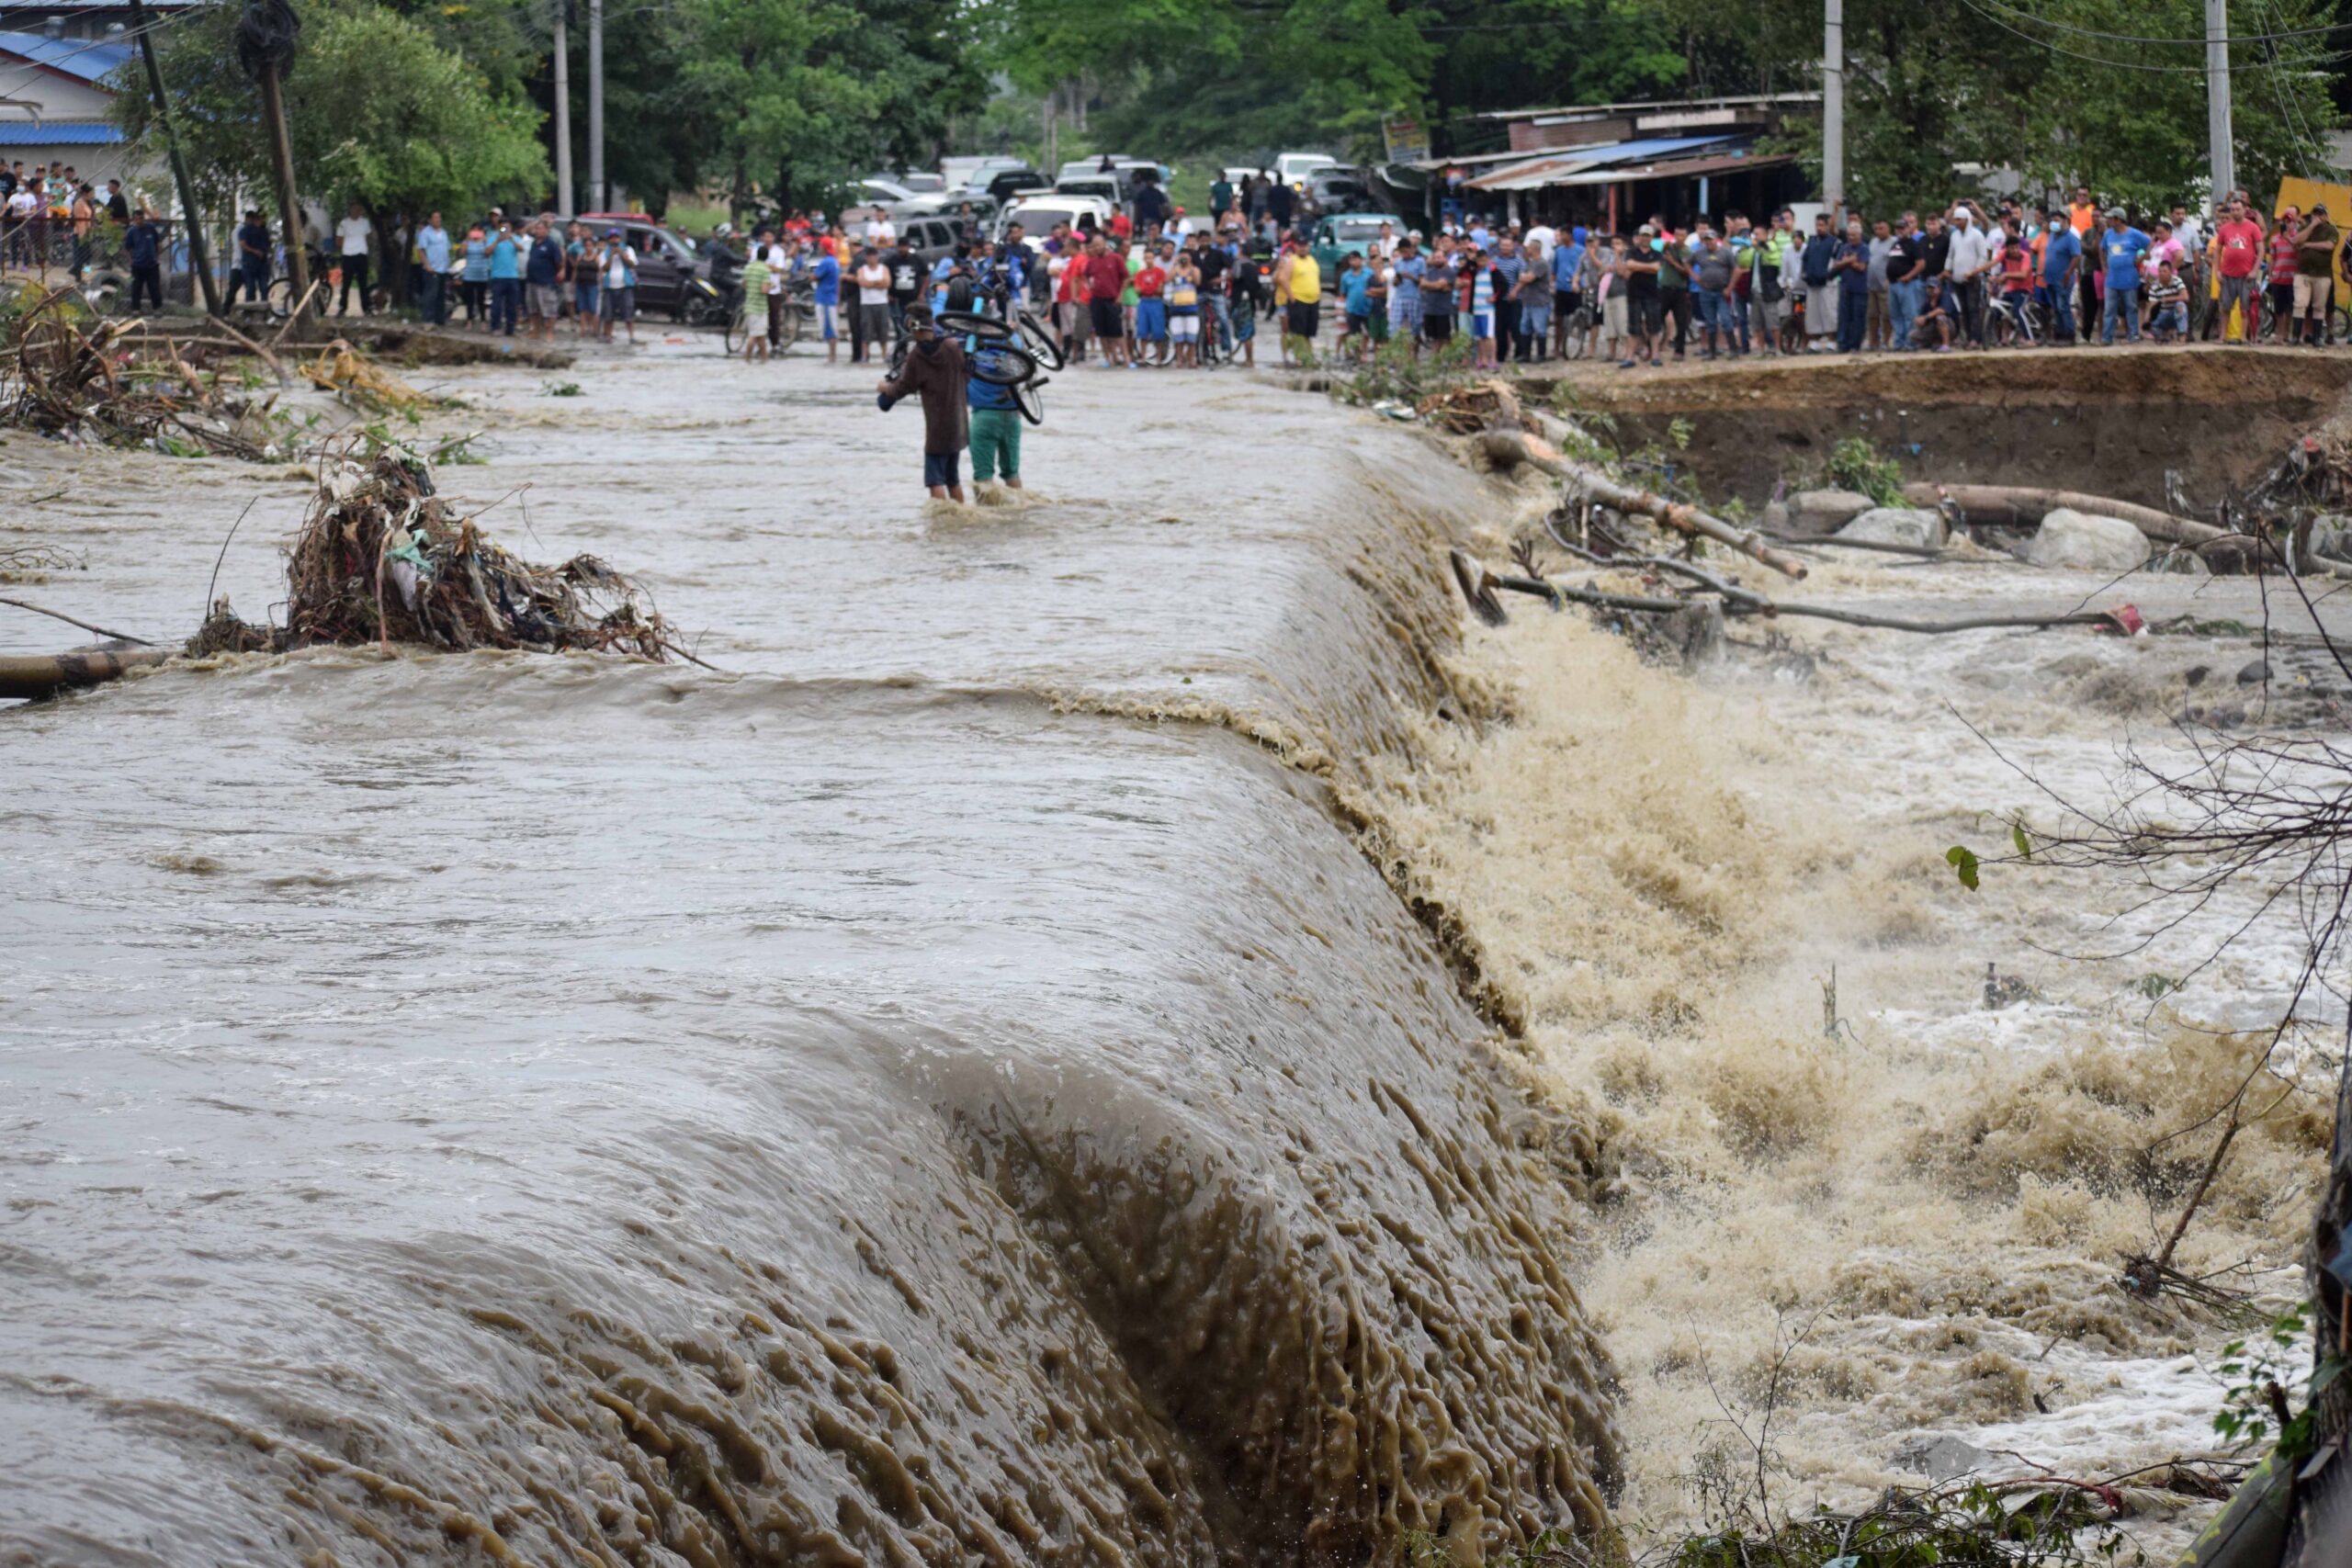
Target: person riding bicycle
726 263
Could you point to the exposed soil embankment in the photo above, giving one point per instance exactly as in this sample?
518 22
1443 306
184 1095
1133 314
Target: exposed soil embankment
2109 421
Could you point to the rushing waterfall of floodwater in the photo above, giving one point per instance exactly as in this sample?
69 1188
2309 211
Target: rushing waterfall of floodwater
950 1092
966 1086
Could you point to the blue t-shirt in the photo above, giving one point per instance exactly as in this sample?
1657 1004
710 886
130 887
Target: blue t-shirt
144 242
435 242
828 280
543 264
982 394
2064 249
1355 291
2123 252
1565 263
501 258
1409 273
1854 280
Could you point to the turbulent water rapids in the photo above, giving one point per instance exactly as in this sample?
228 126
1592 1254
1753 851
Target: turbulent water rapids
979 1082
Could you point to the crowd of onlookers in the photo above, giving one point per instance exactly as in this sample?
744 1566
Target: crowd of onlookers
1154 285
1963 278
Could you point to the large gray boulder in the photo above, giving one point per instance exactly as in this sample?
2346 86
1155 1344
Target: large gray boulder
1826 511
1917 525
2086 541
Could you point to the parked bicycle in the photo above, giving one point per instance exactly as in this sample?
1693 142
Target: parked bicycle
750 316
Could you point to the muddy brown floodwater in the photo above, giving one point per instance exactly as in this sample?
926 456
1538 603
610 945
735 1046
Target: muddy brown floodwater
950 1092
965 1086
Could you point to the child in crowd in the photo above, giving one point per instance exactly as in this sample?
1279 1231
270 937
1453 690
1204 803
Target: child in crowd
1184 310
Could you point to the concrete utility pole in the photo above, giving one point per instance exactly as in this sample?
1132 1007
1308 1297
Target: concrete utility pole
1832 108
2217 99
562 111
198 262
597 194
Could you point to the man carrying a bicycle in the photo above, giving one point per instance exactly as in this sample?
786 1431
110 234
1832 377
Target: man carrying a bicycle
936 371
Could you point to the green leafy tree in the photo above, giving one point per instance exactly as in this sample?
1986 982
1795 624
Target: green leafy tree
2061 92
377 111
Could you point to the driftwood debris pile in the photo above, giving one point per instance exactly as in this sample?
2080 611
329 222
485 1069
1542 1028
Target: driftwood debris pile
384 560
1624 528
65 371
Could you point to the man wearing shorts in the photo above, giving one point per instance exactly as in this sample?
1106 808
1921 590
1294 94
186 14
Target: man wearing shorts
936 371
1106 279
826 292
1305 317
1643 313
543 282
2238 241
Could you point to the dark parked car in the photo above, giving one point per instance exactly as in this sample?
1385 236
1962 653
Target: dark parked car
1006 184
1345 190
665 259
934 239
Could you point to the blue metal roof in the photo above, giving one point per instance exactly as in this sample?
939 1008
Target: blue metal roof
1618 152
56 133
88 59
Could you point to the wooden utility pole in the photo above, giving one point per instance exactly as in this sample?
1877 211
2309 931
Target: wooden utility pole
281 160
198 264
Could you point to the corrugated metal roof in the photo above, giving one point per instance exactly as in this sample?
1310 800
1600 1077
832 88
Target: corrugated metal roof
1600 111
56 133
1559 166
1672 169
87 58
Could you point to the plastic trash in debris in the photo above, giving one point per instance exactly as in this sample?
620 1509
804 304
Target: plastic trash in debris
2124 621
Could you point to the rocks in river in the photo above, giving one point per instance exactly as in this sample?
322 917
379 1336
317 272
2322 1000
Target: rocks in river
1696 632
1826 511
2254 673
1939 1456
1919 525
2086 540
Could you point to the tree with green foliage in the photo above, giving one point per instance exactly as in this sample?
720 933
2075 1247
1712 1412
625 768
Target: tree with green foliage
2061 92
377 111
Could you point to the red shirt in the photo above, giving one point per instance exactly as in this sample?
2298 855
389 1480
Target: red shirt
1121 225
2241 248
1150 279
2282 256
1108 273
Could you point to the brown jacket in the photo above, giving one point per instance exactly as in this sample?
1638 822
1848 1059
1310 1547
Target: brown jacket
935 370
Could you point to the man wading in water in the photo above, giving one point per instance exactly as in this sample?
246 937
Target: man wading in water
935 370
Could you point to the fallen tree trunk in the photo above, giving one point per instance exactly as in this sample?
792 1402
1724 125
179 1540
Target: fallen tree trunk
1876 547
1513 446
45 674
2022 507
1477 582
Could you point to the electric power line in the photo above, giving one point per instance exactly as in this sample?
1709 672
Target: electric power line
2137 37
2235 66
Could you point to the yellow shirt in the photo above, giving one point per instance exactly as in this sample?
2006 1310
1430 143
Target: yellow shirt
1305 279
